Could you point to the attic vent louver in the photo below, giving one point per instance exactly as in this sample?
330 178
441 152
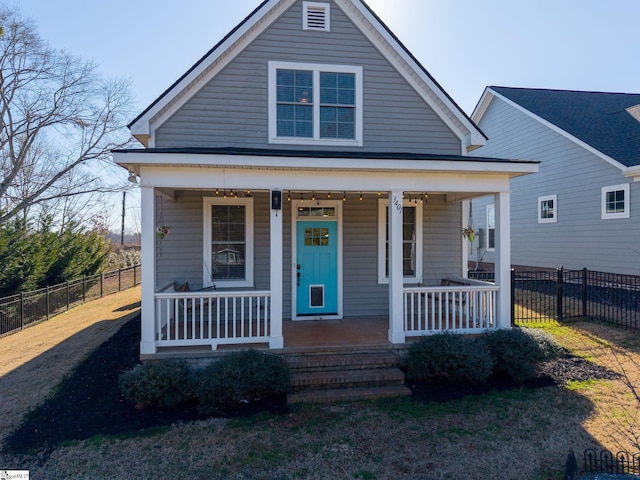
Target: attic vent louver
316 16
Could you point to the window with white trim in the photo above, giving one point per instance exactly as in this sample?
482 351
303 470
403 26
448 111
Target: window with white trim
548 209
228 242
316 16
615 201
315 104
491 227
411 241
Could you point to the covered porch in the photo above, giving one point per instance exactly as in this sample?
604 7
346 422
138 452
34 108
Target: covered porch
394 225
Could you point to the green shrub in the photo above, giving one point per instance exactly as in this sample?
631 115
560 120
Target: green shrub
450 357
246 376
162 383
516 352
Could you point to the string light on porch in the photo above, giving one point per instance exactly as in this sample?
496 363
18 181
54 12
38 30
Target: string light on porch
289 196
217 192
360 196
344 196
224 194
426 197
301 198
329 195
313 196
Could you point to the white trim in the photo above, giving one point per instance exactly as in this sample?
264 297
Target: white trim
337 204
482 108
212 64
627 201
383 279
546 198
316 68
326 11
208 202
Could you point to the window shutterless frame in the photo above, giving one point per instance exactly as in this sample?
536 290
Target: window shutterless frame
225 256
315 104
548 209
616 202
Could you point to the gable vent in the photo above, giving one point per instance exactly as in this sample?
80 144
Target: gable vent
316 16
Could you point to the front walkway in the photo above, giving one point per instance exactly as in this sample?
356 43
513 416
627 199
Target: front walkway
35 360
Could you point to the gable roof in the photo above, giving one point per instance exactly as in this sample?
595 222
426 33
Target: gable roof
609 123
259 20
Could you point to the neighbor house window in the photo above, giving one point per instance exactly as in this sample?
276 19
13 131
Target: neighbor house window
615 201
411 242
315 104
491 227
548 209
228 242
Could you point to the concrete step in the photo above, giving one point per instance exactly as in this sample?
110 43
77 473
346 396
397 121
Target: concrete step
346 378
348 394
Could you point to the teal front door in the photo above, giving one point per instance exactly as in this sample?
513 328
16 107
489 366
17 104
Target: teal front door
317 268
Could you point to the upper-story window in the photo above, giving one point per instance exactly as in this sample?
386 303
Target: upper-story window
615 201
315 104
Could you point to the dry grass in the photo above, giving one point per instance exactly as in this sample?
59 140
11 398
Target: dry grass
521 434
35 360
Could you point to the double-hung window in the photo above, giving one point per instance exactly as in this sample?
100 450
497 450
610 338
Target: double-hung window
228 242
411 242
615 201
491 227
315 104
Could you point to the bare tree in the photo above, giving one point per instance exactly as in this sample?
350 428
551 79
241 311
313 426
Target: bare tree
59 121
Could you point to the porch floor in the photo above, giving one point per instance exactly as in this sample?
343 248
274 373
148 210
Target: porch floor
346 335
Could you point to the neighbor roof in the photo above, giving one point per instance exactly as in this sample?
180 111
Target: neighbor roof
608 122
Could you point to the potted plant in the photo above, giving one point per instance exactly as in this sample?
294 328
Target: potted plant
469 233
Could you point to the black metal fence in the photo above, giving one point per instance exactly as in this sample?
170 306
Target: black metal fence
607 462
562 294
28 308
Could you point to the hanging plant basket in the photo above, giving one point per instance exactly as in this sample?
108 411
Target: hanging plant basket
469 233
162 231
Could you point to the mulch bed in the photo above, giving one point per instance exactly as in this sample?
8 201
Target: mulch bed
88 402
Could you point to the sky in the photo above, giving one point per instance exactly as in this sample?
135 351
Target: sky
465 45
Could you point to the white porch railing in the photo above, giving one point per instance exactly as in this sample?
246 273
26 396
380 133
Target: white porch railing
457 309
212 318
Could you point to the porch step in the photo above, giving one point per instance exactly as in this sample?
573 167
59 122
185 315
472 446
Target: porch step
348 394
345 376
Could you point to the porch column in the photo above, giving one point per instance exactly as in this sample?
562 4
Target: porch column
503 257
276 340
396 296
147 256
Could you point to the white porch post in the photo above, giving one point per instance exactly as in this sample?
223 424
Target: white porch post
396 296
148 252
276 339
503 257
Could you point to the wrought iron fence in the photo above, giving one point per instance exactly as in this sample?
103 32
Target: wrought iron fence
28 308
561 294
607 462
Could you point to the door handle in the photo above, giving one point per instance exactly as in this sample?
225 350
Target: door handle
298 275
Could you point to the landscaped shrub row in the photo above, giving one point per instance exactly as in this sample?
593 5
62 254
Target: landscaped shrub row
454 358
238 378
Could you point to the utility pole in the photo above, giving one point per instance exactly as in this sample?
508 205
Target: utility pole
124 196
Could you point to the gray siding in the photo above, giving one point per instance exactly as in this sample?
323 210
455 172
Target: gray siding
232 110
580 238
179 254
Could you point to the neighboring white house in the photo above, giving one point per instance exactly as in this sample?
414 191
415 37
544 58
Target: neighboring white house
309 168
583 207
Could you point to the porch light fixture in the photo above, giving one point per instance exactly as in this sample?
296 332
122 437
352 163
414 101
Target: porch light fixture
132 177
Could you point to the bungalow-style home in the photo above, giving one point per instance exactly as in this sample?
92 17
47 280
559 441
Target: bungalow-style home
308 169
582 208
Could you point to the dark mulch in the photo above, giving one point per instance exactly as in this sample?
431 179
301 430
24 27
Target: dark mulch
554 373
89 403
